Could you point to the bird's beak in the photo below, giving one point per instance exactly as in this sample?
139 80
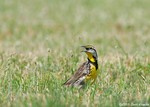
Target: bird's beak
84 49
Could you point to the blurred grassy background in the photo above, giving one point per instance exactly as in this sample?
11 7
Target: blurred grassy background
40 48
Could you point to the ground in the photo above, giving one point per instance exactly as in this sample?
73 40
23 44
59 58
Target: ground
40 49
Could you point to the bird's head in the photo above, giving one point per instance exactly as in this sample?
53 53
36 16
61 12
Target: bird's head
91 52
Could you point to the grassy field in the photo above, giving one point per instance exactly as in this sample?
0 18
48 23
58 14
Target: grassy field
40 49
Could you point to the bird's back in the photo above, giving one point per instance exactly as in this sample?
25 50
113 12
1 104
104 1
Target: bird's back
80 75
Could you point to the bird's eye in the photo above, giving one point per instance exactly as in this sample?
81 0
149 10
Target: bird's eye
88 48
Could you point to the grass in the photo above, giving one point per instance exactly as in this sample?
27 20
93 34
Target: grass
40 49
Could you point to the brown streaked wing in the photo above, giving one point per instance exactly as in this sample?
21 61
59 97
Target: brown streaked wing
80 72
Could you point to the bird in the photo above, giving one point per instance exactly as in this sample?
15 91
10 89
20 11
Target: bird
87 71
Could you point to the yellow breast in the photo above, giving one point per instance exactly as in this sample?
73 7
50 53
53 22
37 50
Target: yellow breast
93 73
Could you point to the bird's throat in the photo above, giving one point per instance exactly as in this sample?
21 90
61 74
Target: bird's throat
90 57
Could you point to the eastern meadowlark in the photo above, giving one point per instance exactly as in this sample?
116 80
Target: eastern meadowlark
87 71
